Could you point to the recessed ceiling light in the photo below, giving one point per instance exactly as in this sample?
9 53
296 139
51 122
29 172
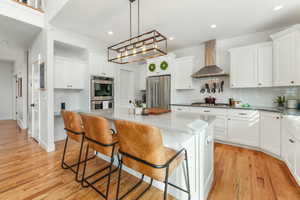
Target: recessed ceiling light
213 26
171 38
279 7
110 32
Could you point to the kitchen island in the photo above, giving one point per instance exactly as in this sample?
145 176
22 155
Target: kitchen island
180 130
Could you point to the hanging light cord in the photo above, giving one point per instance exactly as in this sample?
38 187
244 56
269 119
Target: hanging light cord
130 6
139 17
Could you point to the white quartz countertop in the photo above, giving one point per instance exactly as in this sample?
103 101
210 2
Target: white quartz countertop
190 123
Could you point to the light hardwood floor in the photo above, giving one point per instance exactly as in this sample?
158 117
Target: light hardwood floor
27 172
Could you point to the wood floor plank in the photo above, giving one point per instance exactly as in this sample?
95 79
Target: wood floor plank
27 172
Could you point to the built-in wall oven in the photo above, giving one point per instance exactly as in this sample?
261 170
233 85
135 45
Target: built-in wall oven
102 93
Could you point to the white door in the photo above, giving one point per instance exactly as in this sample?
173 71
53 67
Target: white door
126 87
35 101
270 134
244 67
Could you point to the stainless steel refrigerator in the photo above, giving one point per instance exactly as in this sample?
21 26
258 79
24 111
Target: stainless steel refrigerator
159 91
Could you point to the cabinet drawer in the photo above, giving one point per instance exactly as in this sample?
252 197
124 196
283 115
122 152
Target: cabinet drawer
209 111
180 108
240 113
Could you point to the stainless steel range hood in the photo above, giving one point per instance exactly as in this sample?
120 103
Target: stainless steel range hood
210 69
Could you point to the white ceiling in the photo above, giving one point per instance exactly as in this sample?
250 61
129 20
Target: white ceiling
16 32
187 20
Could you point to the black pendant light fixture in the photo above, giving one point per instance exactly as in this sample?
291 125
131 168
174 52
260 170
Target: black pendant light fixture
138 48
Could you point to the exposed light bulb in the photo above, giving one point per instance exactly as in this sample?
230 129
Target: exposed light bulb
144 49
119 55
134 51
126 53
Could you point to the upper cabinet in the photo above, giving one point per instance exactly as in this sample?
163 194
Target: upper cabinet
286 46
99 66
69 74
251 66
183 70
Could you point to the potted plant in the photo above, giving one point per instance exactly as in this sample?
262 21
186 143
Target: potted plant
138 107
280 100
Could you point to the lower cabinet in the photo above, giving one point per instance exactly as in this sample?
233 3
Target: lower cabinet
291 146
270 133
243 131
220 128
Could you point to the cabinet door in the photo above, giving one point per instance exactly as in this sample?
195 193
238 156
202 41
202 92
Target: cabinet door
95 64
107 69
284 60
220 128
297 151
270 134
265 65
78 76
61 73
244 67
183 72
244 131
297 65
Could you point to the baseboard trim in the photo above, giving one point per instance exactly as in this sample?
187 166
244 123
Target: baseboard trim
47 147
250 147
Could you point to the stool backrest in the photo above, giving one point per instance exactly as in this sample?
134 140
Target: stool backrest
72 122
139 140
97 129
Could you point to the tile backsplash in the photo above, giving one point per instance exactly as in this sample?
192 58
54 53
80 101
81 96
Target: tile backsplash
72 98
254 96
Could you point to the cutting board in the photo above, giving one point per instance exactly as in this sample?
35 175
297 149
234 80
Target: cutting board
158 111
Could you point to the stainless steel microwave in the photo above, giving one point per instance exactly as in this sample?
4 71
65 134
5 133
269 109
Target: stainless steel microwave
102 89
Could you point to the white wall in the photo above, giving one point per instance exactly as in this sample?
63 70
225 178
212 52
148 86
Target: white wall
6 88
12 51
253 96
54 6
22 13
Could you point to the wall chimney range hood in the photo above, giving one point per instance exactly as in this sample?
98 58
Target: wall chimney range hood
210 69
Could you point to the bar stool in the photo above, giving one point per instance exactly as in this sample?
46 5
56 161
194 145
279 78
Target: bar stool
74 131
102 140
142 150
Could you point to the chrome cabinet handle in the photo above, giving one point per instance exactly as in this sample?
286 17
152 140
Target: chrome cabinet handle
242 113
206 111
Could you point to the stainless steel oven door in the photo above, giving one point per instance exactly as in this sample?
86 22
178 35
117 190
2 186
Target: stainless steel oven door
102 90
101 105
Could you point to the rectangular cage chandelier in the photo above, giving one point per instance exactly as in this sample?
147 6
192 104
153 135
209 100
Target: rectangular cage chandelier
139 48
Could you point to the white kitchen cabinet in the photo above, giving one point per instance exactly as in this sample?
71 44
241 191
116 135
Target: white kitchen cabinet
251 66
183 71
143 77
297 163
243 127
180 108
69 74
270 132
286 45
291 145
99 66
220 125
265 64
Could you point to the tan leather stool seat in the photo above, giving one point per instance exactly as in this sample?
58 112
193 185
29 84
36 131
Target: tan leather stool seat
145 142
72 122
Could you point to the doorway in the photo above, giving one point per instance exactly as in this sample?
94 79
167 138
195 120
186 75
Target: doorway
126 87
34 101
7 105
